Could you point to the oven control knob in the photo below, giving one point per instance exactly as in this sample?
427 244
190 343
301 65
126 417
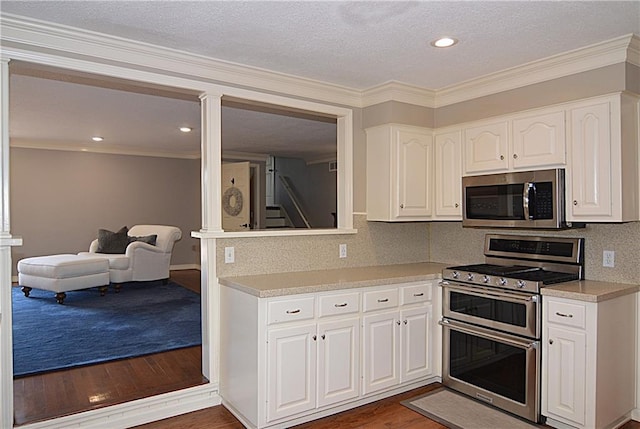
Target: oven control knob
455 274
485 279
470 277
502 281
521 283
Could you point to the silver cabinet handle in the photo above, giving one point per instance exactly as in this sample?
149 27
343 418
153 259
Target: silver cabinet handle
550 341
322 336
398 322
314 338
401 206
564 315
384 300
344 304
456 205
297 310
515 156
575 202
501 157
405 322
418 294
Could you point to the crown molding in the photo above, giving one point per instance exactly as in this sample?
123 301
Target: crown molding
591 57
102 149
36 36
31 33
633 52
398 91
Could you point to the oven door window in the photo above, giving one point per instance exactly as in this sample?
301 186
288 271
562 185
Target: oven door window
494 366
511 313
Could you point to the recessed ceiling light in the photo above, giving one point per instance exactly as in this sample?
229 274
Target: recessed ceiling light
444 42
97 138
185 129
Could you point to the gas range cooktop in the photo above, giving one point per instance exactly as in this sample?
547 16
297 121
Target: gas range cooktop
523 263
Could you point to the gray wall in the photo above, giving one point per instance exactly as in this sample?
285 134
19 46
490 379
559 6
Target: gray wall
59 199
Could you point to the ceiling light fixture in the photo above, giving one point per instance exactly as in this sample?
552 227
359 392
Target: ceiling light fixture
444 42
97 138
185 129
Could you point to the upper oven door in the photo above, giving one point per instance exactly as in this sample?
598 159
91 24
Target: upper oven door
529 199
511 312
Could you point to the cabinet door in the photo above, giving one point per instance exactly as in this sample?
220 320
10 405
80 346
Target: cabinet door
381 351
414 153
448 180
539 141
338 361
415 341
485 148
566 373
590 163
291 371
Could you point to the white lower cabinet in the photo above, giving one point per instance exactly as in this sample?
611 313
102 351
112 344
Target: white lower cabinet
284 360
588 362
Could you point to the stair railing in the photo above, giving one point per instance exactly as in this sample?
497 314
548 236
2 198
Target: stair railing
294 199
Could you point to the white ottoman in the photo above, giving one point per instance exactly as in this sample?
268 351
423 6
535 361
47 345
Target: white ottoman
63 273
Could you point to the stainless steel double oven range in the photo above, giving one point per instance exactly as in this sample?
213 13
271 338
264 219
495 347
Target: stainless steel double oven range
491 318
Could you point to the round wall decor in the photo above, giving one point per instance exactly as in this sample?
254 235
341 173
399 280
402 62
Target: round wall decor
232 201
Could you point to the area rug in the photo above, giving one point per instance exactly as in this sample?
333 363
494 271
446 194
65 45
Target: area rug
144 318
457 411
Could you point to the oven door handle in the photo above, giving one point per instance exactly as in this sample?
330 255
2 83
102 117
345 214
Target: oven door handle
475 291
527 345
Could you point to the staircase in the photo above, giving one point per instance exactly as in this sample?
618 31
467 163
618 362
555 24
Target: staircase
277 217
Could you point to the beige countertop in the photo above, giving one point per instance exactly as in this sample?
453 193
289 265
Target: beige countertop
270 285
280 284
589 290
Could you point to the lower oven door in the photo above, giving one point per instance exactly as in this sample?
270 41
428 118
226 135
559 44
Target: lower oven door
500 369
513 312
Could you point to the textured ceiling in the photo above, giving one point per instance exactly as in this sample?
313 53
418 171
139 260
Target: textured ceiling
355 44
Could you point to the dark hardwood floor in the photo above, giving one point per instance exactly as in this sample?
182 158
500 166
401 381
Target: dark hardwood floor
59 393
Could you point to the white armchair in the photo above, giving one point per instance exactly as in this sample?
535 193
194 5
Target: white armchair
141 261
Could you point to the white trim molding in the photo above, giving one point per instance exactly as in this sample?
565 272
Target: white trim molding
21 33
592 57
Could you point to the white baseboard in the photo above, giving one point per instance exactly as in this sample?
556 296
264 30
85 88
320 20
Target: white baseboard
14 279
184 267
138 412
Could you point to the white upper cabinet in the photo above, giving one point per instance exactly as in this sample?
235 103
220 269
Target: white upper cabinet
539 140
448 180
486 148
399 173
528 141
602 184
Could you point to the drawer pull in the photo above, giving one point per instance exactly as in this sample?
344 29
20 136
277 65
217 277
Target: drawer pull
384 300
564 315
418 294
344 304
297 310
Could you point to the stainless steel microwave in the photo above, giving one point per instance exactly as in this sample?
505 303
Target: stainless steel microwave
526 199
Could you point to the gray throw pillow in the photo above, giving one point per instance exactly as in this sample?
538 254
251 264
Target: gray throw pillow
113 242
149 239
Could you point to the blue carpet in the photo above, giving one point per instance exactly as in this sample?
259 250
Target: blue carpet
143 318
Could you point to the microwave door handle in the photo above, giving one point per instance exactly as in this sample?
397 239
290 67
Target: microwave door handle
525 199
532 201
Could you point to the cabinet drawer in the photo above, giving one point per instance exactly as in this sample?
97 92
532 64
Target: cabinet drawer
344 303
569 314
288 310
415 293
379 299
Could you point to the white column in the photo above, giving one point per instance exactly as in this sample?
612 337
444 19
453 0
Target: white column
211 222
6 241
